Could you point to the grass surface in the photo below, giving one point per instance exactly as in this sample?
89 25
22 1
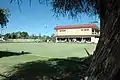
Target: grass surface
41 51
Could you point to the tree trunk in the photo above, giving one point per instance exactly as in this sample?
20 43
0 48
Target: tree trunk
106 59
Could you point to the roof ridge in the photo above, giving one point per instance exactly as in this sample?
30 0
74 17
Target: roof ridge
77 24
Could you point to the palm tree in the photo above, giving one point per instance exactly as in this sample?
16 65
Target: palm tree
105 64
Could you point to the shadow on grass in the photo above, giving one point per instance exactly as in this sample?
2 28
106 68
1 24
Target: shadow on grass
7 54
53 69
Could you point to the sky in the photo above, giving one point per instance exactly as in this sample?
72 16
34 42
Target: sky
34 19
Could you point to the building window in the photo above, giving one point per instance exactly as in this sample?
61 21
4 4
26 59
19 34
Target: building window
87 29
94 33
84 29
62 30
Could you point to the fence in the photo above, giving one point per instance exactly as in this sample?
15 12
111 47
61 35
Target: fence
24 40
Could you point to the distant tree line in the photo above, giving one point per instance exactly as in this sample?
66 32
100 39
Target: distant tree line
16 35
25 35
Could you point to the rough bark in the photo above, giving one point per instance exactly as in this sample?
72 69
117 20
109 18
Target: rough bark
106 58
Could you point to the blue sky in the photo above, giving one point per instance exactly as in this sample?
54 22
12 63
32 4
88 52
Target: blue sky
34 19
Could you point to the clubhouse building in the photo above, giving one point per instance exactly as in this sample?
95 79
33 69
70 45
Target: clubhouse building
77 33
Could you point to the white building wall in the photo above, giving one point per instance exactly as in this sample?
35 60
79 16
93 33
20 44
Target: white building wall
94 40
80 31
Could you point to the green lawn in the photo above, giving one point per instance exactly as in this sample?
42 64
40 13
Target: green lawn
41 51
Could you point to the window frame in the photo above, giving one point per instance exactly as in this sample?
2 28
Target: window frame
62 30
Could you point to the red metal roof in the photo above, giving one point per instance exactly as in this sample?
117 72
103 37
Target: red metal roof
77 26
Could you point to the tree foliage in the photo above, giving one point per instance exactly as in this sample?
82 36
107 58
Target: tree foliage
71 8
33 36
75 8
17 35
52 35
4 14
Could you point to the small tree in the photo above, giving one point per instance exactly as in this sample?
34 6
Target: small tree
24 35
4 13
13 35
52 35
33 36
39 36
18 34
7 36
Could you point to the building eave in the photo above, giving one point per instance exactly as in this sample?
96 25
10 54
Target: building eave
76 36
76 26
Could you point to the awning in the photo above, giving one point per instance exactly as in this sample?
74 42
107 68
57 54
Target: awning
76 36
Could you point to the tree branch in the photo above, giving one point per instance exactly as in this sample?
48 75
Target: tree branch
4 76
87 52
